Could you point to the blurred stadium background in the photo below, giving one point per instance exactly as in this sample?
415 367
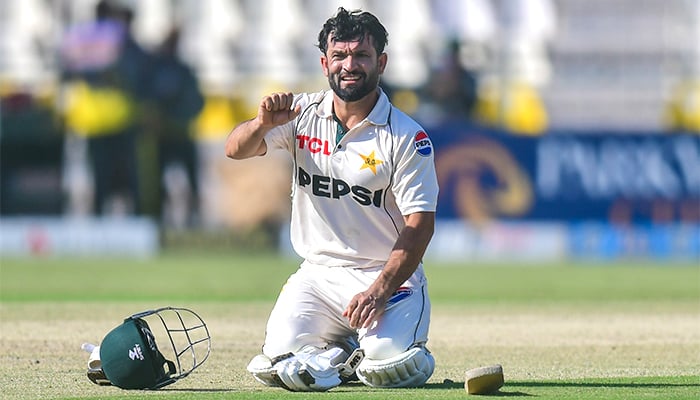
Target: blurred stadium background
564 129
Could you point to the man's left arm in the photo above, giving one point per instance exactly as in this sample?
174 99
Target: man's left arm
404 259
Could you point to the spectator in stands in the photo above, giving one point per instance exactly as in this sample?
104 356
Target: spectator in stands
175 100
106 72
452 88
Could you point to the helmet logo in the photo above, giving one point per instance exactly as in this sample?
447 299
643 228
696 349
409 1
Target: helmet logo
136 353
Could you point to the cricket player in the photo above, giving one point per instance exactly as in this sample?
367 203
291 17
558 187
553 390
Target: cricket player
364 194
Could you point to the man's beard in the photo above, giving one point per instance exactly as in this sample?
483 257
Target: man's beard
355 91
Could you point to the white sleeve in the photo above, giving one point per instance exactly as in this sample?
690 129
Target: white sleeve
415 184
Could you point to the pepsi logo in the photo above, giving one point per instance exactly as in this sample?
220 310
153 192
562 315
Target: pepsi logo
422 143
400 294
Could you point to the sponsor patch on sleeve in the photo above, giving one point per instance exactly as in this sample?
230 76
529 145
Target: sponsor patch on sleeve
422 143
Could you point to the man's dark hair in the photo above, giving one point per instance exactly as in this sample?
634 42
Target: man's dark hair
351 26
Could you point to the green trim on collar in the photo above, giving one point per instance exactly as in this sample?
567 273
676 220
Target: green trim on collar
339 130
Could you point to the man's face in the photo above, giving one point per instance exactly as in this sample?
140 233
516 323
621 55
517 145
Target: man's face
353 67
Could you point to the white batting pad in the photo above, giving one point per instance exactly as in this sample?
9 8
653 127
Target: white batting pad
411 368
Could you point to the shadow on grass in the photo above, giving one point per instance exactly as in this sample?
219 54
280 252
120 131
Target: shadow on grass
503 392
448 384
524 385
658 385
200 390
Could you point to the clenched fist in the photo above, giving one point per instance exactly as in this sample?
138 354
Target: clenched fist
276 109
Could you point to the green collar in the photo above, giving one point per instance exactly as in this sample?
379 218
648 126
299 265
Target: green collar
339 130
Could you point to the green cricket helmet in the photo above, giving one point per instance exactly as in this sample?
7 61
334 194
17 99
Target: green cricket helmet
131 359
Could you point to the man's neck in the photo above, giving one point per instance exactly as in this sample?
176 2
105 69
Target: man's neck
352 113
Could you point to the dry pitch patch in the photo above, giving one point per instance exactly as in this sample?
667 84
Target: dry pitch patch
40 354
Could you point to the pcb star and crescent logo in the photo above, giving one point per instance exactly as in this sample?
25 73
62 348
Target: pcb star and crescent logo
370 162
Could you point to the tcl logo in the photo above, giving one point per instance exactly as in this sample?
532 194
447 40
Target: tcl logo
314 145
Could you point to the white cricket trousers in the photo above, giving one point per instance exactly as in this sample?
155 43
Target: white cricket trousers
309 309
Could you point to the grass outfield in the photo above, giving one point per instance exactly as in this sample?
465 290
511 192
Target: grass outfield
560 331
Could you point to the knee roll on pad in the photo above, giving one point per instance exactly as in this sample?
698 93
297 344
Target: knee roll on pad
411 368
262 369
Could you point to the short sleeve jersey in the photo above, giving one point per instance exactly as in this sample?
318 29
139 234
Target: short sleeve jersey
349 198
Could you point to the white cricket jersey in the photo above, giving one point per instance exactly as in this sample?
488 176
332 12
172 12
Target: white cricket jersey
349 198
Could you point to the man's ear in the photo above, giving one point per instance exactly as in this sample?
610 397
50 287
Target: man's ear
324 65
381 62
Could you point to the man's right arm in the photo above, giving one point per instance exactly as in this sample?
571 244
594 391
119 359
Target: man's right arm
248 138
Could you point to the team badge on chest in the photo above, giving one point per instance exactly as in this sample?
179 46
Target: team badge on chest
371 162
